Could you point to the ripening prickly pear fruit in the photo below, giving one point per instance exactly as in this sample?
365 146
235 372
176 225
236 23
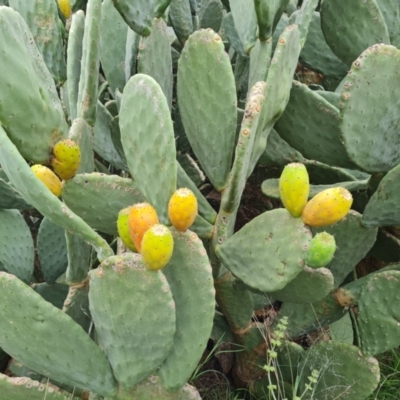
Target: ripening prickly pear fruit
66 158
157 247
321 250
294 187
49 178
123 229
141 217
182 209
65 8
327 207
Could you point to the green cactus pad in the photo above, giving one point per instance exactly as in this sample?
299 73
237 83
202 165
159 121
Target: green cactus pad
260 58
154 58
52 250
303 18
36 192
386 247
9 196
98 198
152 389
147 134
379 313
201 95
353 242
231 33
27 389
210 14
180 16
308 317
53 336
317 55
88 81
391 13
371 139
344 372
268 16
31 111
42 20
102 140
54 294
383 208
135 322
16 245
188 267
288 360
308 286
300 126
278 152
273 264
245 22
112 45
74 56
349 30
279 83
138 14
342 330
76 305
17 369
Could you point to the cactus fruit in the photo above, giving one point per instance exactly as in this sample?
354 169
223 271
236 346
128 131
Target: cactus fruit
327 207
66 158
49 178
182 209
294 188
321 250
157 247
65 8
123 229
142 216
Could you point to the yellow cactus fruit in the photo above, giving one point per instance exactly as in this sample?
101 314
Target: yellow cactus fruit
49 178
157 247
327 207
123 229
66 158
182 209
294 187
141 217
65 8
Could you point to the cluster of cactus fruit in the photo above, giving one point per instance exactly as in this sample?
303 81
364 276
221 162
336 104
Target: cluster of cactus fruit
129 131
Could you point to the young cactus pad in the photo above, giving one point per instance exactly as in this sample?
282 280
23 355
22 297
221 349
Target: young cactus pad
182 209
142 216
321 250
49 178
294 187
327 207
157 247
123 229
66 158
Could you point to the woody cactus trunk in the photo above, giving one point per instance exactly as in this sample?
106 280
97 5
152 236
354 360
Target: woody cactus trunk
197 94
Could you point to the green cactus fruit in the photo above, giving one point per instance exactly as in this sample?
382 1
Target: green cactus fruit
294 187
321 250
157 247
66 158
182 209
123 229
49 178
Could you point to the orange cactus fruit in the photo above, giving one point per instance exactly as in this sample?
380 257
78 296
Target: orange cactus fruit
65 8
327 207
141 217
294 187
182 209
66 158
157 247
123 229
49 178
